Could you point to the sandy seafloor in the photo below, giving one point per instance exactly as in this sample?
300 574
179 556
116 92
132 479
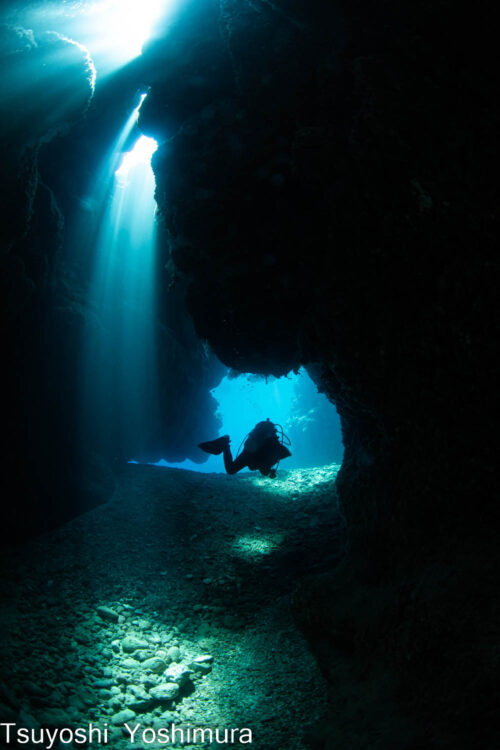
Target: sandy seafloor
190 565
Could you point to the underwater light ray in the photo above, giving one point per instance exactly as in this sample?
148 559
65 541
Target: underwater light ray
121 368
113 31
112 163
134 22
141 154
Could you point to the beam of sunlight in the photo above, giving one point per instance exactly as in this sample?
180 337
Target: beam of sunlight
120 362
46 84
113 31
113 161
139 156
131 22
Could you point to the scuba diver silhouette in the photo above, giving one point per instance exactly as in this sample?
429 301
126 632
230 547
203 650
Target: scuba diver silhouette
263 449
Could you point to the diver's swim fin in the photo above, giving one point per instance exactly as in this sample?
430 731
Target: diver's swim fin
215 447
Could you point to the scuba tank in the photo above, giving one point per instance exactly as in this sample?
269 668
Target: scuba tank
261 432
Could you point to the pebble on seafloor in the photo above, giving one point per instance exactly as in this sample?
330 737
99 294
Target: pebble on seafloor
107 614
166 692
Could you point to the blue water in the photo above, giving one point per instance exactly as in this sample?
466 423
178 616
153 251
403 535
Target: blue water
307 417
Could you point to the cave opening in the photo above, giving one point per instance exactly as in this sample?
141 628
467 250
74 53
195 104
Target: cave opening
114 31
293 402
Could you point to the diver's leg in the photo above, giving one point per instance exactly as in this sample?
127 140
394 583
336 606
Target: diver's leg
232 467
215 447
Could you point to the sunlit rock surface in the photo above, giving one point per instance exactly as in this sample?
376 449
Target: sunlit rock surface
178 588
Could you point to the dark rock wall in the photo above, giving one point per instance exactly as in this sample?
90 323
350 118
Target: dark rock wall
327 184
324 195
38 105
236 213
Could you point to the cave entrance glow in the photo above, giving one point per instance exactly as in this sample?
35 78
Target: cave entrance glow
120 362
307 417
128 23
113 31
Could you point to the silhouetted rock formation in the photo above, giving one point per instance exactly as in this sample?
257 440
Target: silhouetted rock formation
327 183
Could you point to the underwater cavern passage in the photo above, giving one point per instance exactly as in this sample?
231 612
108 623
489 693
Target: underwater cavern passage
121 380
321 176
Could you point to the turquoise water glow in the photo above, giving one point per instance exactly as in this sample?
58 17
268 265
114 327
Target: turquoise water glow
113 31
307 417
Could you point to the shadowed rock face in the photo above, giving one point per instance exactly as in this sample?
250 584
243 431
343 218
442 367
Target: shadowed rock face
322 194
327 185
39 106
229 91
